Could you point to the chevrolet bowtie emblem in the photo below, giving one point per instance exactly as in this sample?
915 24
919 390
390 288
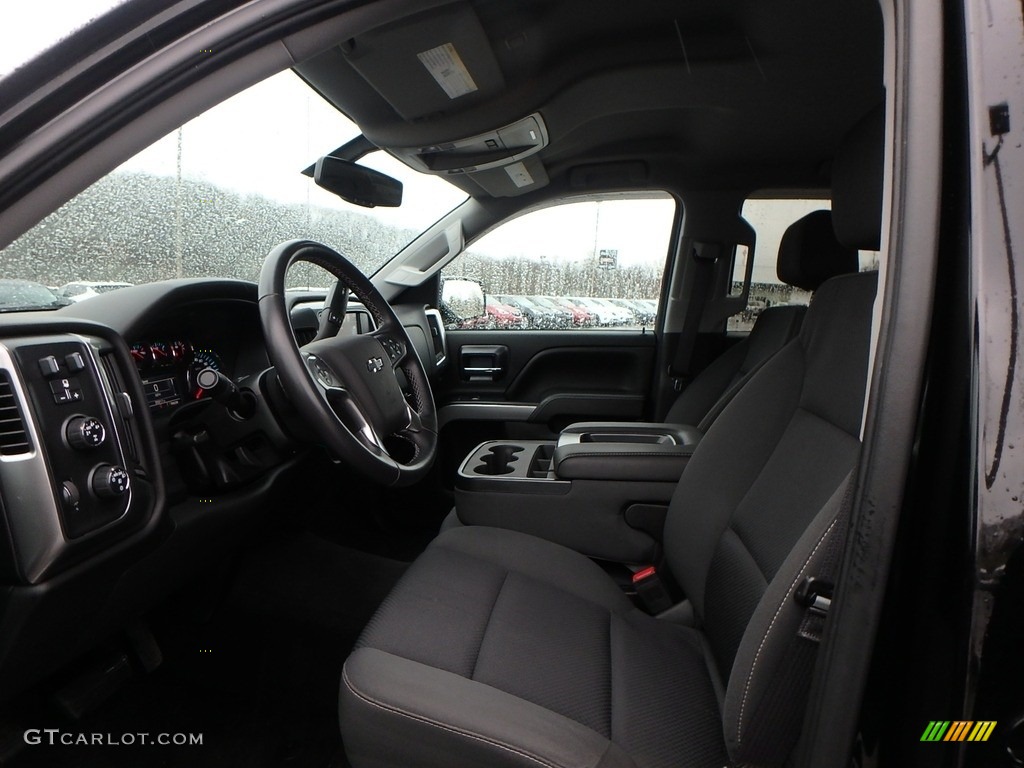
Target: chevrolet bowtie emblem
375 365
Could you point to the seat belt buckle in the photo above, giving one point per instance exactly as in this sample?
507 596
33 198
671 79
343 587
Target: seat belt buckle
651 590
815 595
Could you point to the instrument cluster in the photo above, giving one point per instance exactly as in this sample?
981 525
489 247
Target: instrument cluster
169 368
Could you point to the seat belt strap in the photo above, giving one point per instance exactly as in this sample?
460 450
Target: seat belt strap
704 271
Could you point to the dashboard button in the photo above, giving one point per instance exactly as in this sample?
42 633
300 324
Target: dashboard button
84 433
69 495
66 391
75 362
110 482
49 366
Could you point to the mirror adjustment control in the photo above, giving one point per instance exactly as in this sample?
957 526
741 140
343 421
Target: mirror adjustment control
110 482
84 433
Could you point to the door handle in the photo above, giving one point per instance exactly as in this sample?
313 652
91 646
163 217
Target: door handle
483 362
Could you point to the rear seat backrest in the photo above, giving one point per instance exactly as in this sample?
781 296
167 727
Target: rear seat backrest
808 255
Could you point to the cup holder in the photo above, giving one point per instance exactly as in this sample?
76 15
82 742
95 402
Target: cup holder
498 460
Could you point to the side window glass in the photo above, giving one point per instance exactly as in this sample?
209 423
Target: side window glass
594 263
770 218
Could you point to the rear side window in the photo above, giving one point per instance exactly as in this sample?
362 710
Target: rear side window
770 219
586 264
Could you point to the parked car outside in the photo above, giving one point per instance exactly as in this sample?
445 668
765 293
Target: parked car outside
86 289
24 294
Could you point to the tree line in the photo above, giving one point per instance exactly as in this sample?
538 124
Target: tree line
138 228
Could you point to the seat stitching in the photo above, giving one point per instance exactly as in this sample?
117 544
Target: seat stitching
443 726
487 625
767 634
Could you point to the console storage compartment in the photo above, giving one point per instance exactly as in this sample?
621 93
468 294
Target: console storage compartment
597 490
624 451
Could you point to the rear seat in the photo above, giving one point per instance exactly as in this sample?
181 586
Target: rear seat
809 254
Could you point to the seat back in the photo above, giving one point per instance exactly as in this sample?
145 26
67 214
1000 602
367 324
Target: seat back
808 255
760 500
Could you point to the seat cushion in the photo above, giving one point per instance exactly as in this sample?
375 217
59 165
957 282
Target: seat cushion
498 648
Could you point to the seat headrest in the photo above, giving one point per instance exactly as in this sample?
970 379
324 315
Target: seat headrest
857 183
810 254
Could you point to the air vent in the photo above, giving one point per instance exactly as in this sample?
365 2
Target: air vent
116 384
304 335
436 326
13 436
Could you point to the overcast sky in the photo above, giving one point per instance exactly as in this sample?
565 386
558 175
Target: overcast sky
28 27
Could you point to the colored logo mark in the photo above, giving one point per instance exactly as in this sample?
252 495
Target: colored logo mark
958 730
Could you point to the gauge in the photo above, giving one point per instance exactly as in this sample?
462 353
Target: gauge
205 358
140 354
201 358
161 352
180 350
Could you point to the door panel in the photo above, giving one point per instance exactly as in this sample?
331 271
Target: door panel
544 381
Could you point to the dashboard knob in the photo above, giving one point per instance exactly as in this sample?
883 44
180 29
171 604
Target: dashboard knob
84 433
110 482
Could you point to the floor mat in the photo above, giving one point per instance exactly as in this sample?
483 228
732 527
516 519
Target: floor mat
259 683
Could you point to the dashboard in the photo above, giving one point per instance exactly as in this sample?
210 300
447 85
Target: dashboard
119 474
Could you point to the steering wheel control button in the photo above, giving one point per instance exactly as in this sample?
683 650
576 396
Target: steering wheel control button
393 347
375 365
323 374
75 362
69 495
110 482
84 433
49 366
66 391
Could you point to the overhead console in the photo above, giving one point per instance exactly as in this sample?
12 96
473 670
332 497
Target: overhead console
74 476
478 153
427 68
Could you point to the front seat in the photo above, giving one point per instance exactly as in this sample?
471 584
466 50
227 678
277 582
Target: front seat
809 254
501 649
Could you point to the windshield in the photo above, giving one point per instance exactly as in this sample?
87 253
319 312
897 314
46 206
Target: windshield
212 198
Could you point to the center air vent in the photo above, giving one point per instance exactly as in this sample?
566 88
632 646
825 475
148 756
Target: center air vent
13 436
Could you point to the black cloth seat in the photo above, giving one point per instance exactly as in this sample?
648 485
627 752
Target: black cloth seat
809 254
522 645
500 649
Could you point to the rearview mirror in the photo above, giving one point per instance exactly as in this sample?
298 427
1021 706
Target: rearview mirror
356 183
464 298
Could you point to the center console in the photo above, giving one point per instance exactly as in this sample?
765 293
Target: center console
602 489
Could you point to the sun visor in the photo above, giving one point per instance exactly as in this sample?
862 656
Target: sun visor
428 64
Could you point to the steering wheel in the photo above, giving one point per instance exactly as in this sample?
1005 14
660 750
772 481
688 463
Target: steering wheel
348 389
